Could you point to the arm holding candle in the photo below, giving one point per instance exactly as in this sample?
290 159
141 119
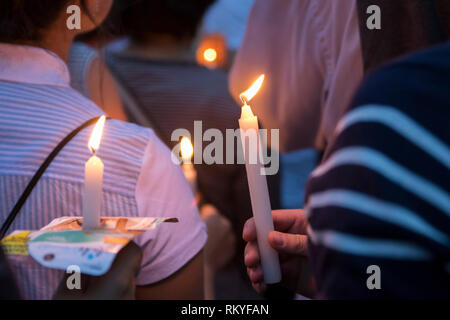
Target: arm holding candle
171 254
290 241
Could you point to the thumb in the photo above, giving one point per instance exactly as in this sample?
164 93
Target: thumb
289 243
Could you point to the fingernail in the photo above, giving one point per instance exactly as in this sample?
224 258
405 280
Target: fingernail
279 240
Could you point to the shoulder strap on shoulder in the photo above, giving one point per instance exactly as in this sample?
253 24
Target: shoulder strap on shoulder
35 179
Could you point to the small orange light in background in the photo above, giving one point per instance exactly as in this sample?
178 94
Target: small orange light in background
212 51
210 55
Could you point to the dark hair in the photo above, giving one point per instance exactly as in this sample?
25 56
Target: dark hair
24 20
141 18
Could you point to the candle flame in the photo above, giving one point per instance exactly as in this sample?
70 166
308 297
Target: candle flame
187 150
210 55
96 136
253 90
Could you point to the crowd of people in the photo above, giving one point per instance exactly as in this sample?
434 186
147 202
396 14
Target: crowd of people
364 141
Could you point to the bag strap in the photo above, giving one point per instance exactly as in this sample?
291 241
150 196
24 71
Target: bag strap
35 179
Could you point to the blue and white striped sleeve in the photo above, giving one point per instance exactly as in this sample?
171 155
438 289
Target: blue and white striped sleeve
381 197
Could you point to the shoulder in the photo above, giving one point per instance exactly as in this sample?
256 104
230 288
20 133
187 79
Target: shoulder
393 144
394 140
81 53
413 83
82 59
409 95
381 192
401 110
134 135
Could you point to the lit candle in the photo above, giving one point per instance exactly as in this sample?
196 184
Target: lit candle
187 150
259 192
93 180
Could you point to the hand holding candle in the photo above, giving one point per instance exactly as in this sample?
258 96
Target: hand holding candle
93 180
257 183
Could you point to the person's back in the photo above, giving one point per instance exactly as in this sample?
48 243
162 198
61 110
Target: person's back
381 197
309 51
174 94
38 108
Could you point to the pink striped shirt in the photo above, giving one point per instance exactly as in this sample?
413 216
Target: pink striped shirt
37 109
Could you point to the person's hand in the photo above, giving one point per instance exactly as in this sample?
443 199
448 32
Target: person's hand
220 239
117 284
290 241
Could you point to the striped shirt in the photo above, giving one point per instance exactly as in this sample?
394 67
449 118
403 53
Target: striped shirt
174 94
382 193
37 109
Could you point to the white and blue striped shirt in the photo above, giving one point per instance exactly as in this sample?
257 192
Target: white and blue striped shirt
382 193
38 108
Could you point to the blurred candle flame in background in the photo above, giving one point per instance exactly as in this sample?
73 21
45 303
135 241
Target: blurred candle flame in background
212 51
186 148
210 55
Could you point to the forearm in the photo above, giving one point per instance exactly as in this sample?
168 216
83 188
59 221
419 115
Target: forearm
185 284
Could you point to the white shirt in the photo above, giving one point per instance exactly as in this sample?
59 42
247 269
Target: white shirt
37 109
310 52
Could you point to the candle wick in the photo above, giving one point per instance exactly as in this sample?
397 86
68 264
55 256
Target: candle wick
243 99
93 151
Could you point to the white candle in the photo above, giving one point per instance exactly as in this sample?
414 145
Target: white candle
259 192
187 150
92 198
